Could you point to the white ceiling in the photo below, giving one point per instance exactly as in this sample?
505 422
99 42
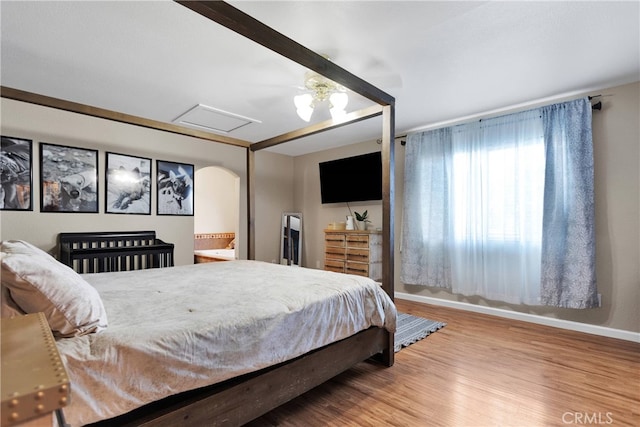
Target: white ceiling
441 60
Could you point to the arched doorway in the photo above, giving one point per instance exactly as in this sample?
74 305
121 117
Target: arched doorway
216 209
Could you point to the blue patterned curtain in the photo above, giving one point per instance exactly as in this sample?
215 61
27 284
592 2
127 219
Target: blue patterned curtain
568 240
426 221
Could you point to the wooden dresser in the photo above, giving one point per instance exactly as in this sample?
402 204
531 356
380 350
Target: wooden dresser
354 252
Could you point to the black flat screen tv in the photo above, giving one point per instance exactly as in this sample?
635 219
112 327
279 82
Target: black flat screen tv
351 179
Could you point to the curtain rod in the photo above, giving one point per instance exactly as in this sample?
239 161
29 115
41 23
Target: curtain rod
596 106
506 110
402 139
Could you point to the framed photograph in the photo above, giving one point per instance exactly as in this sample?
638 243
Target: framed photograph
128 184
174 188
16 176
68 179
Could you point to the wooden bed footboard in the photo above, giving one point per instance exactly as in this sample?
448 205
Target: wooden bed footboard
114 251
240 400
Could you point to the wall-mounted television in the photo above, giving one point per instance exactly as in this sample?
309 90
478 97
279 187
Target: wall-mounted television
351 179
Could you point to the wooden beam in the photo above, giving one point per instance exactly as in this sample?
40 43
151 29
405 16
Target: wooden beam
350 118
87 110
241 23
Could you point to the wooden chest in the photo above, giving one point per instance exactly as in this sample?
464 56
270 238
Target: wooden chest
354 252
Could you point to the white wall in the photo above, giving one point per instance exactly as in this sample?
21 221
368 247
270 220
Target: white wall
616 134
616 145
273 197
217 192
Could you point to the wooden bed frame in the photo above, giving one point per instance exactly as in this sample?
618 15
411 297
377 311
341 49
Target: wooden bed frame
242 399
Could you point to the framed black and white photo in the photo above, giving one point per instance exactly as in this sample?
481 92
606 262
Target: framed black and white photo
174 188
127 184
16 174
68 179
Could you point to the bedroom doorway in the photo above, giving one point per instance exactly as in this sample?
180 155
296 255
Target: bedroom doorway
216 214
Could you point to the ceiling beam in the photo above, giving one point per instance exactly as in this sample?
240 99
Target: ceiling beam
74 107
353 117
238 21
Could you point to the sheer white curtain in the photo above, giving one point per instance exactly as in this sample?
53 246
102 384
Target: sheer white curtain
473 208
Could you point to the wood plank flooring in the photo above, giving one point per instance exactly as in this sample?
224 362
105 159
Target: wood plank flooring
481 370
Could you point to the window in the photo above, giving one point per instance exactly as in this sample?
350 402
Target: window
503 208
482 217
499 191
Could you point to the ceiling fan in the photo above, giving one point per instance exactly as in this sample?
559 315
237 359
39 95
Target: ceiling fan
319 96
319 90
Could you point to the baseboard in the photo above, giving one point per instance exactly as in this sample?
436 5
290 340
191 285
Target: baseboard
526 317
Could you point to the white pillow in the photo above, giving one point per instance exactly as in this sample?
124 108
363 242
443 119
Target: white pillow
37 282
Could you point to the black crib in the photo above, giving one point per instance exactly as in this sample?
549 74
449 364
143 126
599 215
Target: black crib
114 251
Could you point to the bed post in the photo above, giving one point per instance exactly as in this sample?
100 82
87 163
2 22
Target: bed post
251 206
388 214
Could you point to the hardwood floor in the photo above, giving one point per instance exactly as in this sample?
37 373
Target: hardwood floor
481 370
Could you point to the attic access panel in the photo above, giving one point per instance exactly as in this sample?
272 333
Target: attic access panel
213 119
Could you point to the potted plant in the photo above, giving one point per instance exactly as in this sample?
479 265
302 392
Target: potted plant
362 219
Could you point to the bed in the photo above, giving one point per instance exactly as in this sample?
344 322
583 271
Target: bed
199 340
242 398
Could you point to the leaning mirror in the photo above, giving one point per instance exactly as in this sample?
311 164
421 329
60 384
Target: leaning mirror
291 239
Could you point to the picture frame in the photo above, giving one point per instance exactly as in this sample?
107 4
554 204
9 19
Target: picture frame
68 179
127 184
16 174
174 188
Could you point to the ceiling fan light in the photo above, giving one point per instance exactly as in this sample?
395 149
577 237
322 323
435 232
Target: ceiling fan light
304 106
339 100
305 113
303 101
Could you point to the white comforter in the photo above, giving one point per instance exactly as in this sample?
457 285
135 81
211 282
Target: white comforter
176 329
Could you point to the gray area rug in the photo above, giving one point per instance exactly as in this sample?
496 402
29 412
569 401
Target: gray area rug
412 329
